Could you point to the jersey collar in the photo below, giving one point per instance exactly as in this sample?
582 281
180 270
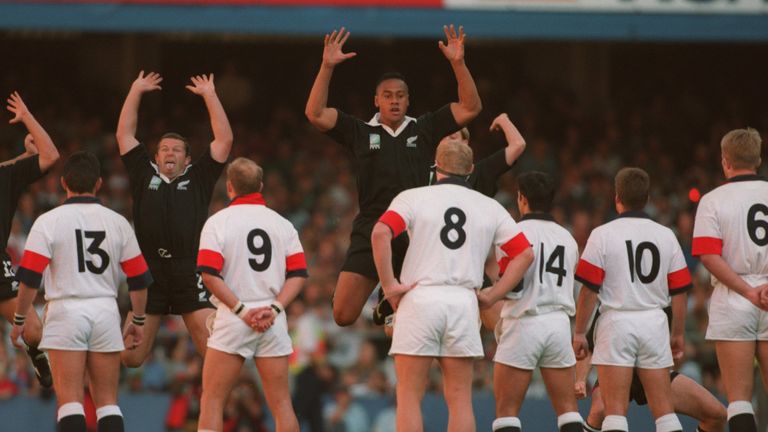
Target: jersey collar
83 200
634 214
166 179
375 122
254 198
747 177
458 181
538 216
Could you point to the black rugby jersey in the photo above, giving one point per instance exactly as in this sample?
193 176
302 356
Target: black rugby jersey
168 216
388 164
14 179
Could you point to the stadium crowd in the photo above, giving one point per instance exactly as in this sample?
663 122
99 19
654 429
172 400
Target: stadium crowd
342 375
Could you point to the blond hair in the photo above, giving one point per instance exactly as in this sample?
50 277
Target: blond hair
245 176
454 157
741 148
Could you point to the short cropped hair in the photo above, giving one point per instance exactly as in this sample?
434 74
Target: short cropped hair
245 176
388 76
176 136
81 172
741 148
632 186
454 157
539 189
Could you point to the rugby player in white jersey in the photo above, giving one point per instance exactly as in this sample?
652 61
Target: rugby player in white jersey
534 329
451 229
78 249
252 261
633 265
730 236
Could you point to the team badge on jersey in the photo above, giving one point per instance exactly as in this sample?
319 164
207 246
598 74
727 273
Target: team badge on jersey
183 185
374 141
410 142
154 184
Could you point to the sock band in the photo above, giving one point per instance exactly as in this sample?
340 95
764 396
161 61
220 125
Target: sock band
668 423
740 407
615 422
69 409
569 417
108 410
503 422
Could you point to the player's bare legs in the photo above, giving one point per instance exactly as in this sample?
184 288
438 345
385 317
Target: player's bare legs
559 382
220 372
615 382
658 390
736 361
134 358
195 322
412 375
103 377
509 387
33 328
68 369
274 377
457 389
695 401
596 409
352 291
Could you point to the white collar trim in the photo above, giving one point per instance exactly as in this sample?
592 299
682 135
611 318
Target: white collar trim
375 122
166 179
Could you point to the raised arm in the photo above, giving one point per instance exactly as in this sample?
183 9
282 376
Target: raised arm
38 141
515 141
317 111
222 132
129 114
469 104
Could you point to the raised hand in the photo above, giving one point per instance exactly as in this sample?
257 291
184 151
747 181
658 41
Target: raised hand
202 85
453 49
17 107
501 122
147 83
332 49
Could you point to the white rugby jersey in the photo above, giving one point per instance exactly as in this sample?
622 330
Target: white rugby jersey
451 229
252 248
548 283
633 263
83 245
732 221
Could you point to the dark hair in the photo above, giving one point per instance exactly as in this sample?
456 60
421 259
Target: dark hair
539 189
176 136
388 76
81 172
632 185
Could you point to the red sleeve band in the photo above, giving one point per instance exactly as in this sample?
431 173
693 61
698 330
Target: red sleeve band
135 266
295 262
503 263
679 279
707 245
590 273
394 221
210 259
514 247
34 261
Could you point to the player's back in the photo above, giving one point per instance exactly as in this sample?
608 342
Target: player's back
732 221
634 263
86 244
451 230
259 249
548 283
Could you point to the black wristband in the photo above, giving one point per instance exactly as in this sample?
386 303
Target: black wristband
139 320
19 319
276 308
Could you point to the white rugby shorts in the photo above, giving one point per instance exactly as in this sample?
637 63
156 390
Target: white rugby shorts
533 341
438 321
633 339
231 335
734 318
82 324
